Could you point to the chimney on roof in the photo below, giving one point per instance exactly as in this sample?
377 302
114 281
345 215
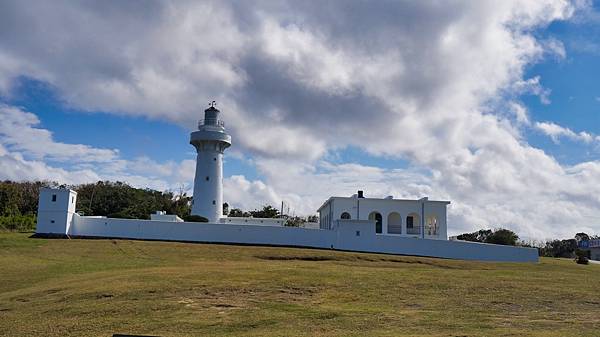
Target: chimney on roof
360 194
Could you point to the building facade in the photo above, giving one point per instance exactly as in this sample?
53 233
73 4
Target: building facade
56 208
421 218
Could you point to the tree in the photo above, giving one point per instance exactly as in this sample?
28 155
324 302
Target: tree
499 236
295 221
267 211
313 218
582 237
236 212
559 248
194 218
502 236
118 199
225 208
479 236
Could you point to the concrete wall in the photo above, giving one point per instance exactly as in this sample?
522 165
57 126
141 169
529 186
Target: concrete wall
201 232
253 221
357 236
351 235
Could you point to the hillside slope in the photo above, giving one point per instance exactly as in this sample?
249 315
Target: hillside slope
101 287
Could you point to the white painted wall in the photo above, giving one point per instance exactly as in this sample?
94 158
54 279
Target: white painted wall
56 207
202 232
352 235
358 236
253 221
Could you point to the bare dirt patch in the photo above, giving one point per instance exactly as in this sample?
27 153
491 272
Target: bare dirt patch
232 298
351 258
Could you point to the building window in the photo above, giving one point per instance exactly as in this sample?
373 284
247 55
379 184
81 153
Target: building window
53 197
378 221
72 199
431 226
394 223
412 224
345 216
214 202
206 178
357 233
51 221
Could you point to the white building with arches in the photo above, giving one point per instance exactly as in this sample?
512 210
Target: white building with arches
422 218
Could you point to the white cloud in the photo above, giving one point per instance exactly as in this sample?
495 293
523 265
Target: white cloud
427 82
25 150
19 131
533 86
556 131
520 112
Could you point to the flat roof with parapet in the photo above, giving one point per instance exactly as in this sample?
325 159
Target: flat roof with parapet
387 199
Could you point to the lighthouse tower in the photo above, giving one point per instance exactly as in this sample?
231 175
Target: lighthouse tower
210 141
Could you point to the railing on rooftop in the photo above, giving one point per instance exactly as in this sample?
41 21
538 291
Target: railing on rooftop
214 122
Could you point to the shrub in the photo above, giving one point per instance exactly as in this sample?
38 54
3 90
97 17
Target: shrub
19 223
195 218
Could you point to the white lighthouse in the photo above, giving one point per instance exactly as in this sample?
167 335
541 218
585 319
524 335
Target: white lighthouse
210 141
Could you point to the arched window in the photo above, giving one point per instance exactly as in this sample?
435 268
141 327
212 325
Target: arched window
345 216
378 221
394 223
413 224
431 225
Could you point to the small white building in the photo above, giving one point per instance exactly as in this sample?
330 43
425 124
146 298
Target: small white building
421 218
163 216
56 208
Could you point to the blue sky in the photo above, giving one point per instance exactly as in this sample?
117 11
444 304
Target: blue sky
413 101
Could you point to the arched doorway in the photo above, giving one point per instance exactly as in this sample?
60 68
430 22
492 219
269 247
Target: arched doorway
378 221
394 223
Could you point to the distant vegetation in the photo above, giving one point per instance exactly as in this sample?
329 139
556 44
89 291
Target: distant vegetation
19 202
567 248
498 236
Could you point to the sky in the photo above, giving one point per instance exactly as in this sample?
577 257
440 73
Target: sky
493 105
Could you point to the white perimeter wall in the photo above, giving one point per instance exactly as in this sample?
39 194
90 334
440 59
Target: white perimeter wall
349 235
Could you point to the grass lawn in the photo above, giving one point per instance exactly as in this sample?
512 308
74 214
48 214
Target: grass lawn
101 287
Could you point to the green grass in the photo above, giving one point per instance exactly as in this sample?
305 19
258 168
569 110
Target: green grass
101 287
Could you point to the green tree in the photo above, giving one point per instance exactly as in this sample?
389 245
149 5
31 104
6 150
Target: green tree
479 236
502 236
236 212
582 237
267 211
